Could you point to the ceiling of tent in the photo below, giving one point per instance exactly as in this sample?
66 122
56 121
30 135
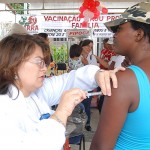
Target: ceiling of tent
62 1
72 6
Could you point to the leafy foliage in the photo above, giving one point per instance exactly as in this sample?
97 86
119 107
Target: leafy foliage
19 7
60 54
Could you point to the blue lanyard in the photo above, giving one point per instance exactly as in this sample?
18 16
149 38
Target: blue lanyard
43 116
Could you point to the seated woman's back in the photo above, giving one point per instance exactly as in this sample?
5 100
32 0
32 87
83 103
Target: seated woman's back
75 60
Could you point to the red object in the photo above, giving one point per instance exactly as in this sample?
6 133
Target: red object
92 9
97 14
66 145
81 15
82 8
106 54
104 10
85 4
91 5
84 24
97 3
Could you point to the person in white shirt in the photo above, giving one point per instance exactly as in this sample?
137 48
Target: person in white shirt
116 61
92 59
87 46
27 122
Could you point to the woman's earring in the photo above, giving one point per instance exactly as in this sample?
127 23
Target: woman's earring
16 77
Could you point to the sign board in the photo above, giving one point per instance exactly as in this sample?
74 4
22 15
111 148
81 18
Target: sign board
78 33
57 25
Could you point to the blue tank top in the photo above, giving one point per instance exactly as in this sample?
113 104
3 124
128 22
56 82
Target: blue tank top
135 134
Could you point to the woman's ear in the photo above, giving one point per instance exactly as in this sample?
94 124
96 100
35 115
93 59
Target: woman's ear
139 35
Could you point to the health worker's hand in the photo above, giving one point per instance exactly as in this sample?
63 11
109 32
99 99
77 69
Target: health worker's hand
104 78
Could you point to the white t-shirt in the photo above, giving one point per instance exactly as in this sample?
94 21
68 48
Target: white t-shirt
20 127
118 59
92 59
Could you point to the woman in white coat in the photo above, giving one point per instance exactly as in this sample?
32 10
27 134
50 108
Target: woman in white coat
27 122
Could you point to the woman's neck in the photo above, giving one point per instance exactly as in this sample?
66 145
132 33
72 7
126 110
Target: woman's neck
26 92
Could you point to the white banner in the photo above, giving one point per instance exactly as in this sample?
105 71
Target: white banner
54 32
56 25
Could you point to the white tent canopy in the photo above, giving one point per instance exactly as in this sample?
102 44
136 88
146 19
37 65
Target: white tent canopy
61 1
72 6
